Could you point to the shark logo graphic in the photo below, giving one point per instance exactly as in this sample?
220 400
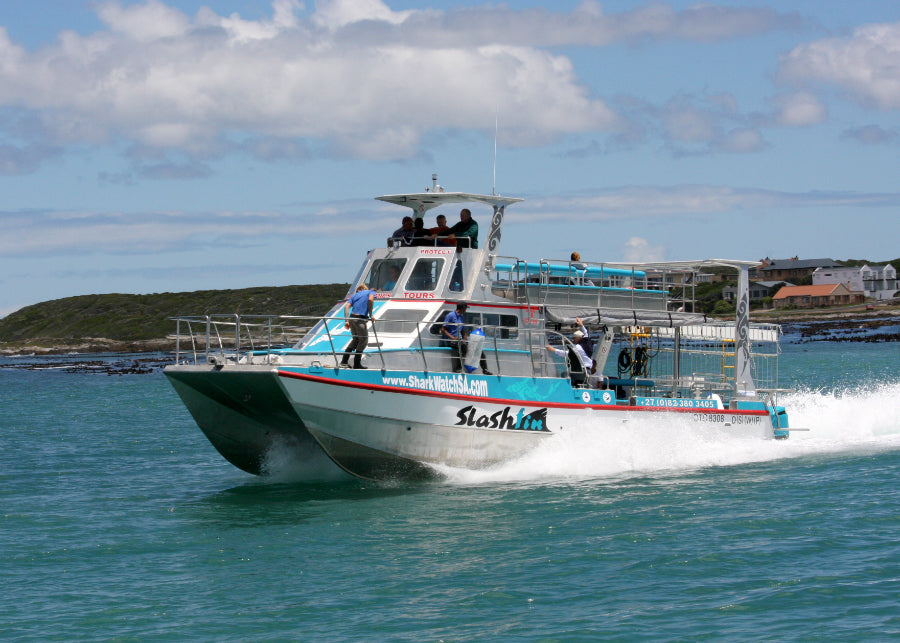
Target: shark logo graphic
505 419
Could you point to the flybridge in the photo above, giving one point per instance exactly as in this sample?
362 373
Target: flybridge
424 201
421 202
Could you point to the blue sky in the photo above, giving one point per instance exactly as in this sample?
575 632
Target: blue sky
176 145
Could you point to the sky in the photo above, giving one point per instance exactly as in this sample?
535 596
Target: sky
180 145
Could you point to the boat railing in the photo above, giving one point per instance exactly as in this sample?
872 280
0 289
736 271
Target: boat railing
444 241
217 338
269 339
689 367
600 285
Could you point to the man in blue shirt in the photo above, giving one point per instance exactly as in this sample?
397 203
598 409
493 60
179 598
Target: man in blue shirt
453 334
358 310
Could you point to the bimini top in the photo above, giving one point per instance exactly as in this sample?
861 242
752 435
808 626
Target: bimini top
424 201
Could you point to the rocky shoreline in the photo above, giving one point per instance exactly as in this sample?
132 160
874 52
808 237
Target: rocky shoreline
53 346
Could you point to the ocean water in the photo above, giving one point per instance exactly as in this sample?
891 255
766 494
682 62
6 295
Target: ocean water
118 521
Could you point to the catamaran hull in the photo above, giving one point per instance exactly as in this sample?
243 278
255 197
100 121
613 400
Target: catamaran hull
375 431
244 414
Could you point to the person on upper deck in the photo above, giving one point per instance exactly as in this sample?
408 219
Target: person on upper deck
403 234
577 265
420 233
438 234
466 231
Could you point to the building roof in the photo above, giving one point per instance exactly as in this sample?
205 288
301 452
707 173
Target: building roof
879 270
822 290
796 264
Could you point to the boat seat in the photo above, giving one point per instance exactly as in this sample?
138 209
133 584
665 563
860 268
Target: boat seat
576 369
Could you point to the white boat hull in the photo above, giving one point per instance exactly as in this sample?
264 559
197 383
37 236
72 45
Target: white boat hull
379 431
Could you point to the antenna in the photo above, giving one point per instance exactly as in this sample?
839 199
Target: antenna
494 184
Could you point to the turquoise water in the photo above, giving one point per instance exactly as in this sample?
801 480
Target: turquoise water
119 521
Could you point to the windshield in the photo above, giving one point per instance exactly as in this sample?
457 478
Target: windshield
385 273
425 274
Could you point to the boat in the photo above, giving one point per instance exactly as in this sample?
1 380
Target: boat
258 383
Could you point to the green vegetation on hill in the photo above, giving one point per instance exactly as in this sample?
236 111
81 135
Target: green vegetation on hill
860 262
144 317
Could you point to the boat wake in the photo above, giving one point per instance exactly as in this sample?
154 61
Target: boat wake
865 419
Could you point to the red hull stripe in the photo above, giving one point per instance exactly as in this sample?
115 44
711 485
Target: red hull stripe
508 402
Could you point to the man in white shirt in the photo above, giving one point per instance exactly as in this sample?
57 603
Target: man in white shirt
587 364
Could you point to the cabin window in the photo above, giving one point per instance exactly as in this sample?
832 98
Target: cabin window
439 323
503 326
385 273
425 274
456 279
400 320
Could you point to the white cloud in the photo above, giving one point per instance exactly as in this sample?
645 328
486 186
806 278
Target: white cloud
340 13
353 77
646 202
52 233
697 124
66 233
871 135
159 79
864 64
144 23
687 124
742 140
638 250
799 109
589 25
240 30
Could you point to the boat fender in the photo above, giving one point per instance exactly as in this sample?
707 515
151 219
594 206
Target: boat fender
473 350
639 362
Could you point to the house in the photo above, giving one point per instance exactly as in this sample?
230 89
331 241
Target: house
816 296
759 290
792 269
879 282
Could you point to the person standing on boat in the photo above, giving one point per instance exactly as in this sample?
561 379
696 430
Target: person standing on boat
580 342
358 311
454 333
404 234
466 231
